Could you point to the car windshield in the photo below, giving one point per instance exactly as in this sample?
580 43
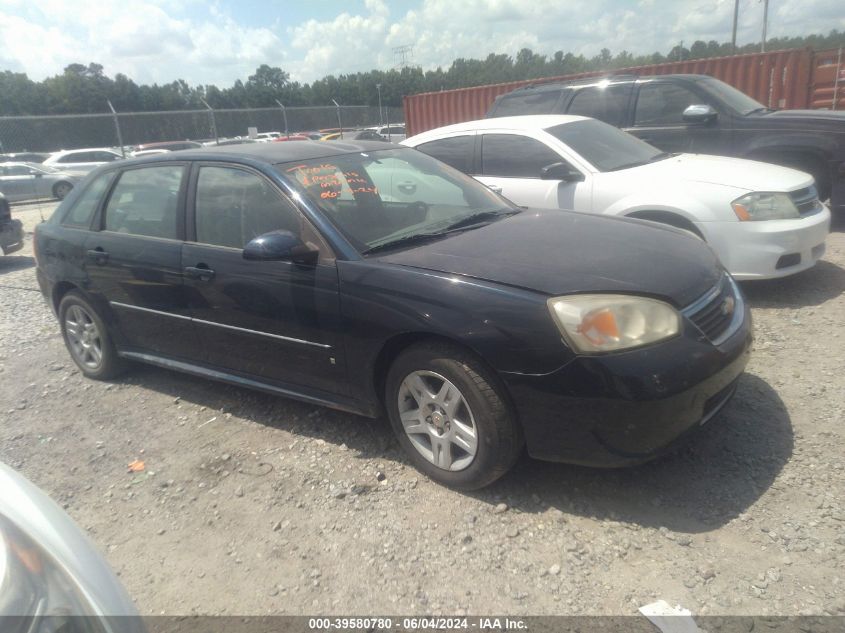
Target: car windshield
388 198
733 98
605 147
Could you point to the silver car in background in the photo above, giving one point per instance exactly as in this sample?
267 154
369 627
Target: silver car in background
29 181
51 576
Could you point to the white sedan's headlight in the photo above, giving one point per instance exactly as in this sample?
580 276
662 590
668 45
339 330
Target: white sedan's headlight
607 323
765 206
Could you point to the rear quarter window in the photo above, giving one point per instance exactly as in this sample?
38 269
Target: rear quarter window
455 151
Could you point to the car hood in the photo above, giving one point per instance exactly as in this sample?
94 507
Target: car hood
808 115
739 173
560 252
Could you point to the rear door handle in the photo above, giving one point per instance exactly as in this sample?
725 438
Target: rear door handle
201 272
98 256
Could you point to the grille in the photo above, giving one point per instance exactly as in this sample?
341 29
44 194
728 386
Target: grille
711 314
806 200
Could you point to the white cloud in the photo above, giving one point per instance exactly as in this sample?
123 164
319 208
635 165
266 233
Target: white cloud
161 40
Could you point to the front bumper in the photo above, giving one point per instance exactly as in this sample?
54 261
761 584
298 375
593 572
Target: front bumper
771 248
624 409
11 237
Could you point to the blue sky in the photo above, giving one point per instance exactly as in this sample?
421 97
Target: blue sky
219 41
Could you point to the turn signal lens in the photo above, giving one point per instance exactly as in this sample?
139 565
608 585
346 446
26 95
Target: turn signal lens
607 323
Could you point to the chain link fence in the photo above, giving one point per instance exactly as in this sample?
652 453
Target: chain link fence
75 131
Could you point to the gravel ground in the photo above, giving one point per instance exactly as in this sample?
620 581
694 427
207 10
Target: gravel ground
252 504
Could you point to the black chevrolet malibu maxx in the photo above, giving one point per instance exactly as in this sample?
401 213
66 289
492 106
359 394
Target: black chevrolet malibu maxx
376 280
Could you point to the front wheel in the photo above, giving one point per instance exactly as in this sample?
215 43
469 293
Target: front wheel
87 338
451 416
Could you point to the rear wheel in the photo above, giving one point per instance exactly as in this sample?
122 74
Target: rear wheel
451 416
87 338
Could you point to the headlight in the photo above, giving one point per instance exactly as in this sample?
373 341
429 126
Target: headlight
606 323
765 206
35 593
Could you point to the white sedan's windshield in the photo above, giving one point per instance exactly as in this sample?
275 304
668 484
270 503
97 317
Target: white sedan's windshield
605 147
393 196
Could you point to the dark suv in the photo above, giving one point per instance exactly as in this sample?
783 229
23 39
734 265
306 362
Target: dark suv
700 115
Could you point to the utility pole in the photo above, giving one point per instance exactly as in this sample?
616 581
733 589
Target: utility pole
213 122
378 89
339 121
765 20
733 36
285 115
403 54
117 128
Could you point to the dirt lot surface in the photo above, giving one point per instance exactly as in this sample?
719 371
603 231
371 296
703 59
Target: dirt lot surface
252 504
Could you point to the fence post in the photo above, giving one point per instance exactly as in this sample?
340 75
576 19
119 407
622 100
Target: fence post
339 122
117 128
213 122
285 115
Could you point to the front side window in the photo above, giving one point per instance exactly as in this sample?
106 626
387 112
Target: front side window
145 201
663 104
234 206
605 103
455 151
514 156
86 204
383 197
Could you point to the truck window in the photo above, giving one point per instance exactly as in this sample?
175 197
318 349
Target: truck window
605 103
518 104
663 103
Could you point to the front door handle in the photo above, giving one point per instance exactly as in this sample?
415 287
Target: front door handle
201 272
98 256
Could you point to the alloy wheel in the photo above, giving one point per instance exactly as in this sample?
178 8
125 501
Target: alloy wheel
437 420
84 338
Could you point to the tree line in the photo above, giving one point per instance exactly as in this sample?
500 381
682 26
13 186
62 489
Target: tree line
86 89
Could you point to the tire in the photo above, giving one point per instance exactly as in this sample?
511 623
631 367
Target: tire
475 407
87 339
61 189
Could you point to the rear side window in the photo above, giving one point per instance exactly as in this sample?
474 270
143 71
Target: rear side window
663 104
543 102
455 151
145 202
86 204
513 156
103 157
606 103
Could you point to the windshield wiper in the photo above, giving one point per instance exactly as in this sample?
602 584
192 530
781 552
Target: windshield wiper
762 109
417 238
479 219
640 163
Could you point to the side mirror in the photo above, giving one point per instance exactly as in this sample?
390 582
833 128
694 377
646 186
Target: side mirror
280 246
699 113
561 171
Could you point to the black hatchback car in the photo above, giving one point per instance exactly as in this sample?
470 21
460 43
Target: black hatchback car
375 279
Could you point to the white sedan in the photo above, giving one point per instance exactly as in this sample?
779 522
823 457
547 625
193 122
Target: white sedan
762 220
81 160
